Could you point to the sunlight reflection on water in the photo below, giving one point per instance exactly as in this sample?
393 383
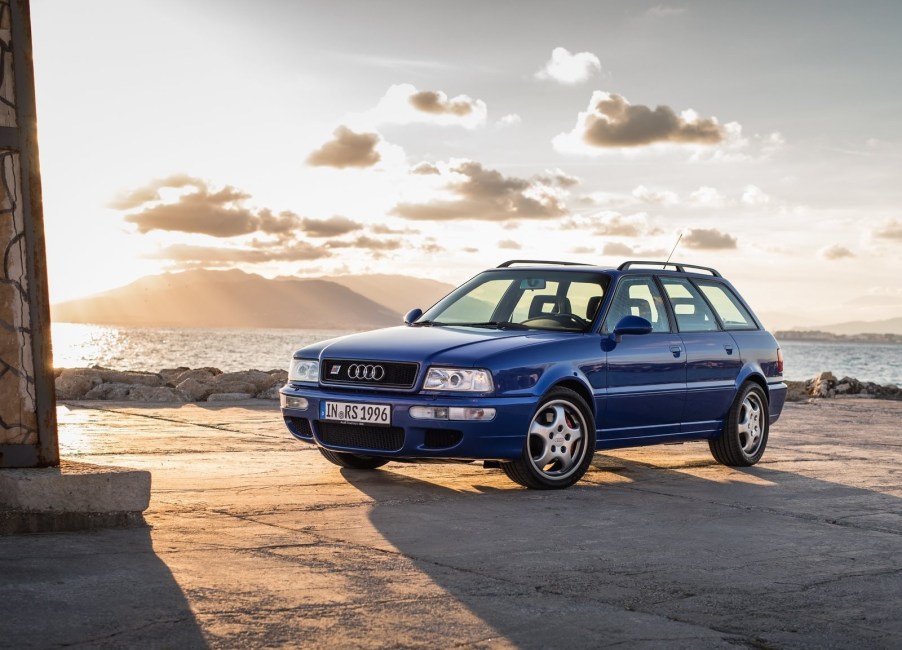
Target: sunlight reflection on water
149 348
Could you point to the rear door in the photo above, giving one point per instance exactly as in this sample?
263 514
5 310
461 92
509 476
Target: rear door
713 361
646 374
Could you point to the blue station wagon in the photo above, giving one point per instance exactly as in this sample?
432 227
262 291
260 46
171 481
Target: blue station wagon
533 366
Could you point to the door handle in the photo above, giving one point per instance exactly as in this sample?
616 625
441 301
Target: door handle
676 349
728 348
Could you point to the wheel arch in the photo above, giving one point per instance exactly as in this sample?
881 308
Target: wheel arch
580 389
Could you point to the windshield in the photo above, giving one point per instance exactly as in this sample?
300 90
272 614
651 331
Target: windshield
523 299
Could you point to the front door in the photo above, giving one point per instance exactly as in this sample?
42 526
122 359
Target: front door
646 374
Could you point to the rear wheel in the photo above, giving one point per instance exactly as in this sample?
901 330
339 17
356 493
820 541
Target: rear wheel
745 432
352 461
559 444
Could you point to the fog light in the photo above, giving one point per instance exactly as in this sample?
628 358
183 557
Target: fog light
471 413
292 402
429 412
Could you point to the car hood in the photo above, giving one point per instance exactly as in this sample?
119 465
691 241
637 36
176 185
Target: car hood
456 346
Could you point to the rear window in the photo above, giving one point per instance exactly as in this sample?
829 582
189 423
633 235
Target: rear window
731 312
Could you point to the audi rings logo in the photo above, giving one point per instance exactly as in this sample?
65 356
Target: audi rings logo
366 372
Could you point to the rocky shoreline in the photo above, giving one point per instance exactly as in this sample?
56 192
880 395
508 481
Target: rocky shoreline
175 385
826 385
181 385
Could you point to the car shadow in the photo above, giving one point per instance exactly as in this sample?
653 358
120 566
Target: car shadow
690 553
105 588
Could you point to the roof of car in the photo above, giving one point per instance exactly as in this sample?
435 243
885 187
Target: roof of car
645 265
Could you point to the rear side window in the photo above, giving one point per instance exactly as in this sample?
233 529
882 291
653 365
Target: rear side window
691 311
731 312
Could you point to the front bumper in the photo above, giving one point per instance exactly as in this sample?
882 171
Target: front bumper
501 438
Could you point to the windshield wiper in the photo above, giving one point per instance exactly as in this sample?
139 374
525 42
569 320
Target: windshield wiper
429 323
495 325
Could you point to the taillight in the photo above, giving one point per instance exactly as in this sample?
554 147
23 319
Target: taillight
779 361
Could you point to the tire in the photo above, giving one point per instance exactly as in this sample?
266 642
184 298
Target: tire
352 461
745 431
560 443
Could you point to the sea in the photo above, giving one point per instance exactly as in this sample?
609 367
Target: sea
152 349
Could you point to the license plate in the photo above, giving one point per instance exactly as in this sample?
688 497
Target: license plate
378 414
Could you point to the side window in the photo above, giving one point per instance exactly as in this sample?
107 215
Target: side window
638 296
691 311
732 313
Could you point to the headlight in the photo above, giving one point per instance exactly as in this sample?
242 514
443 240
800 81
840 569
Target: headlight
474 381
303 370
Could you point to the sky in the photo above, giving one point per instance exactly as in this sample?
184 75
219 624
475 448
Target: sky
437 139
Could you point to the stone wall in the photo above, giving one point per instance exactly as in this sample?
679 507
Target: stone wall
18 417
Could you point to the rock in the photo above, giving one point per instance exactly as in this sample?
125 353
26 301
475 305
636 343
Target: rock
170 375
130 377
196 390
796 391
73 383
270 393
228 397
156 394
202 375
116 392
260 381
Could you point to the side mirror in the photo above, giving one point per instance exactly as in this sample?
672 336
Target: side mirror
631 325
412 315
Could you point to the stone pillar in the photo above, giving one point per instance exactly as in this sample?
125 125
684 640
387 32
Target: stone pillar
28 435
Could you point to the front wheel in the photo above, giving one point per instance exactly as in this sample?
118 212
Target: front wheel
352 461
559 444
745 431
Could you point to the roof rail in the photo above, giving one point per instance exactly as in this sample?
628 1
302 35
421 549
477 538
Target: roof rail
512 262
679 266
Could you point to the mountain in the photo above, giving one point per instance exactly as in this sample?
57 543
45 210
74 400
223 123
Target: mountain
232 299
399 293
888 326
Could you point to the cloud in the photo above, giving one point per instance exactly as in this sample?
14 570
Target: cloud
509 244
891 229
611 122
368 243
558 177
382 229
486 194
754 196
709 197
188 255
835 252
567 68
331 227
405 104
424 168
616 248
151 191
217 213
348 149
511 119
655 197
708 239
436 102
614 224
665 11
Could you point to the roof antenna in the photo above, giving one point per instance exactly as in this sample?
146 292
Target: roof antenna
673 249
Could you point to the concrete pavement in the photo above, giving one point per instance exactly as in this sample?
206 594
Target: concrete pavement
254 540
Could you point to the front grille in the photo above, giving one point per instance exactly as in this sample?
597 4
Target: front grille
299 427
441 438
390 374
354 436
